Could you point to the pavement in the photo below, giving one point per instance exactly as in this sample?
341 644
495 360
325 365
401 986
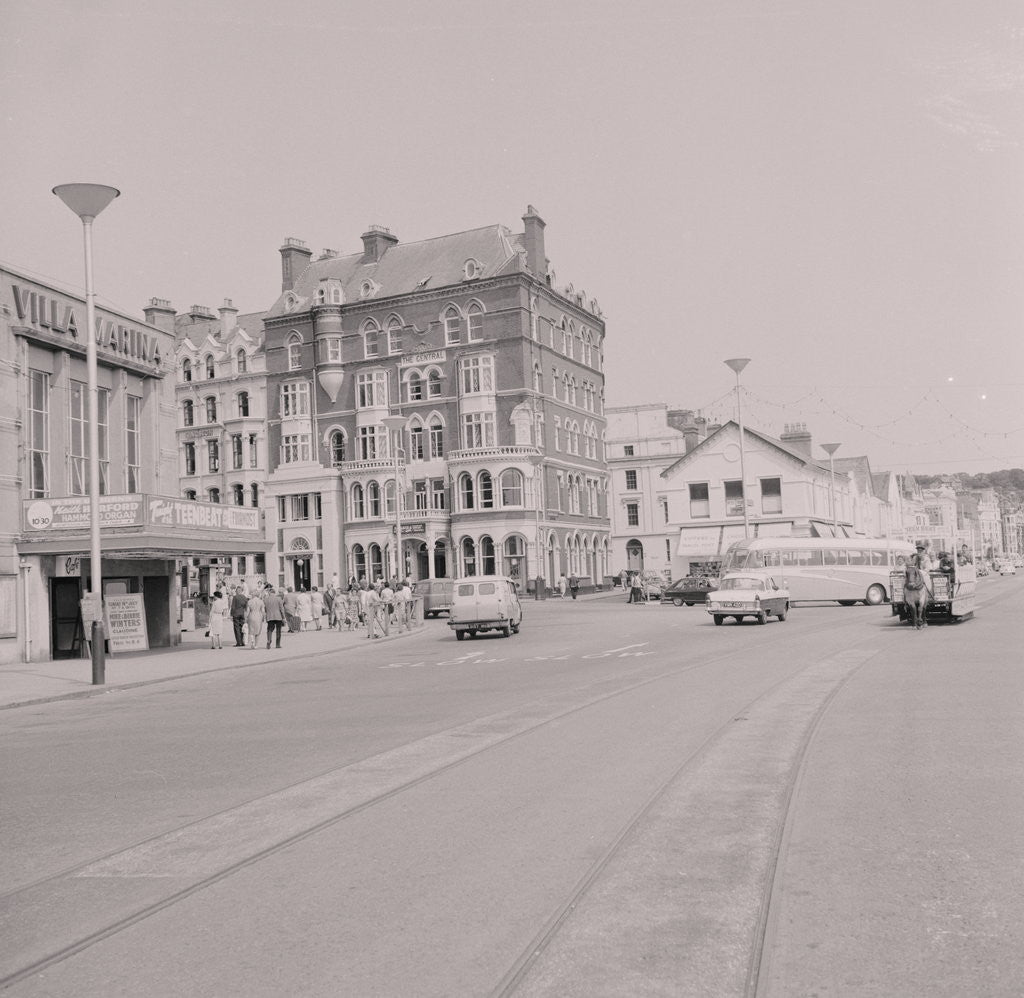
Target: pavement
24 683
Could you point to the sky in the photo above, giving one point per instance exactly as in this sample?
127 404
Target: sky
834 190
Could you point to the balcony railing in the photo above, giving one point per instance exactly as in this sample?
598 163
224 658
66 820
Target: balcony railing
509 453
376 464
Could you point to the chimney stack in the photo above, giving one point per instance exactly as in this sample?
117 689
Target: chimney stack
160 313
295 255
533 240
797 437
377 239
228 317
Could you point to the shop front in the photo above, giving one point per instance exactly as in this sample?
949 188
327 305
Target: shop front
148 545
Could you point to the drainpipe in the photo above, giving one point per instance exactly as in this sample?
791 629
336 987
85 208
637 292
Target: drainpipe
27 568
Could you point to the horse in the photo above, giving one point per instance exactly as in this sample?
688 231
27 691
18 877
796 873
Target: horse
915 595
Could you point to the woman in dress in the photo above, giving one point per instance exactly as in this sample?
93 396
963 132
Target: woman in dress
305 610
255 618
218 618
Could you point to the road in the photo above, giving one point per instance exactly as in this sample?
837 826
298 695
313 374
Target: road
620 800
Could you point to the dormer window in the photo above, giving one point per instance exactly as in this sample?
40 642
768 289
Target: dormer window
186 370
321 296
366 289
290 301
242 361
211 371
335 296
471 269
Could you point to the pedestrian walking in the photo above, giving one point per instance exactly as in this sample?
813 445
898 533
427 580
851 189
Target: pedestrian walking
273 607
239 601
331 595
563 585
634 588
317 599
574 584
304 609
374 614
622 580
219 610
291 609
352 607
255 617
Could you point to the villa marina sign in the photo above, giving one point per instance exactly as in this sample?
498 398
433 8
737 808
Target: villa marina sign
60 316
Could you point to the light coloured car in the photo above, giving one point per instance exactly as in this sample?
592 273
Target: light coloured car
1007 568
437 595
748 594
485 603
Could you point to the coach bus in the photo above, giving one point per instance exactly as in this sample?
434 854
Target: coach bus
845 569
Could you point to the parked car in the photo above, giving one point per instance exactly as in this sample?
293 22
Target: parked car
1007 568
437 595
746 594
689 590
485 603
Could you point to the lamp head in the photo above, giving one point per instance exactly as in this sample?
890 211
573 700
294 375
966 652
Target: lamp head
86 200
738 363
830 449
394 423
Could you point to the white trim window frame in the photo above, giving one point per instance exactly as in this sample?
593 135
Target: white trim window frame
294 399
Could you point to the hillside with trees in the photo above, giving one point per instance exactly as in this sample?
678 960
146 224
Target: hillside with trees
1008 483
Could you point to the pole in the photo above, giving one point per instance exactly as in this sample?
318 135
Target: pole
830 449
398 518
95 558
737 364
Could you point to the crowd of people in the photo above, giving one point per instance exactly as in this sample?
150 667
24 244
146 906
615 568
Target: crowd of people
376 607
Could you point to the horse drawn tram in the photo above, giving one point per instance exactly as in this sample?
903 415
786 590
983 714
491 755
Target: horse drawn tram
949 592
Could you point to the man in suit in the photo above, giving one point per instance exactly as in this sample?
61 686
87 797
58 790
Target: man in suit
275 614
239 601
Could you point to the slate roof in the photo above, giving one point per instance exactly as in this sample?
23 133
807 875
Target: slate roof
409 267
785 448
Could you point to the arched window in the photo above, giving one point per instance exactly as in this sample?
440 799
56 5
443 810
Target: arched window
468 556
358 506
538 379
434 383
358 561
474 322
376 562
373 499
466 490
188 412
337 448
294 352
321 296
486 490
452 325
243 403
371 338
238 494
211 370
514 557
394 334
560 344
511 487
186 370
214 495
241 361
211 408
414 389
389 497
486 556
254 495
435 434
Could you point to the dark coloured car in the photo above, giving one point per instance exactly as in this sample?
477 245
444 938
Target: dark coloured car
690 590
437 595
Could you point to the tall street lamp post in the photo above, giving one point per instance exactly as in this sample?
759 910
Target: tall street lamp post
830 449
87 201
737 364
395 425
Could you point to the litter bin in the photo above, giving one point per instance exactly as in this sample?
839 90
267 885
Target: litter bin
539 589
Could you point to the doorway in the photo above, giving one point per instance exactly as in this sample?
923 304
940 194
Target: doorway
301 576
635 556
65 621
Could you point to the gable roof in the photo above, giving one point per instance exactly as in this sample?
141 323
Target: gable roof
732 424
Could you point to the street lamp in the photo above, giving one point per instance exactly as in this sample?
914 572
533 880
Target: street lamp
87 201
830 449
395 425
737 364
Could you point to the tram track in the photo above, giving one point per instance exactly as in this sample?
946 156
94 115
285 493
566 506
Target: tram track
411 765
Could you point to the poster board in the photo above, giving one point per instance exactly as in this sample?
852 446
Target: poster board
126 623
8 606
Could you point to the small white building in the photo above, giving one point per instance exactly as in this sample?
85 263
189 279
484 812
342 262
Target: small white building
785 491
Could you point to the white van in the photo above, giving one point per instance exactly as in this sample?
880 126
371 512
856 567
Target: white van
485 603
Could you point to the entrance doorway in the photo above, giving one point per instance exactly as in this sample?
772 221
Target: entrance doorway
440 560
301 576
635 556
65 620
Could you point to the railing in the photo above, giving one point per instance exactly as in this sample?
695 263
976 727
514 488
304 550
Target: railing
377 464
510 453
